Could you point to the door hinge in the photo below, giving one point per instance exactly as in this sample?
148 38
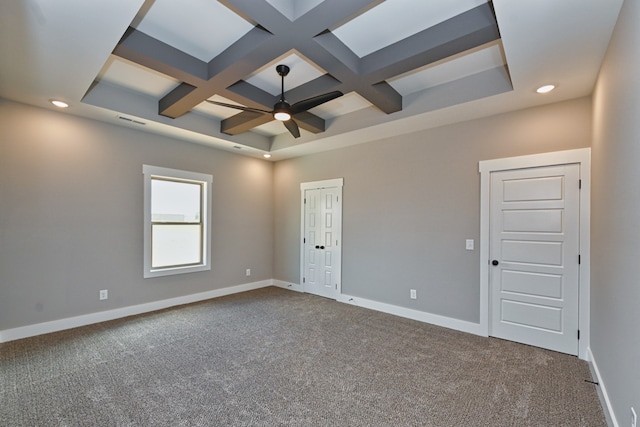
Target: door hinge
304 280
579 259
304 240
305 200
578 333
336 286
579 184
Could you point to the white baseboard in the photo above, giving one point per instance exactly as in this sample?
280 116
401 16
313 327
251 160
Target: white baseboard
288 285
421 316
103 316
602 391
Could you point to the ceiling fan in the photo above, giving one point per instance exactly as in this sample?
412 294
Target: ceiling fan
282 110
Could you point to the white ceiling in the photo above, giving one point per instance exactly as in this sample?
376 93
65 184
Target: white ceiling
63 50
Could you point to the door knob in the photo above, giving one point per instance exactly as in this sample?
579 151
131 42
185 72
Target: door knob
495 262
319 247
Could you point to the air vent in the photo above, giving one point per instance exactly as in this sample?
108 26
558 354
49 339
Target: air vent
127 119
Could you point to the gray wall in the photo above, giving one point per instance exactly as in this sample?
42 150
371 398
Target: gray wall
410 202
615 226
71 216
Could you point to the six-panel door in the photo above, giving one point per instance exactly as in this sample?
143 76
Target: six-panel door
322 239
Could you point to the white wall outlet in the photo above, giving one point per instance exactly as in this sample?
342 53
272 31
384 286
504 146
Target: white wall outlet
469 244
104 294
634 417
248 272
413 294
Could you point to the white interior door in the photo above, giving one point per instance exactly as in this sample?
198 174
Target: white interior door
321 242
534 250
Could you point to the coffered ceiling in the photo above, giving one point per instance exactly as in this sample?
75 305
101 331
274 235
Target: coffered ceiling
402 65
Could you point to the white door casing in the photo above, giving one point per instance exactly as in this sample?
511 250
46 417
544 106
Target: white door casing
321 231
534 248
536 217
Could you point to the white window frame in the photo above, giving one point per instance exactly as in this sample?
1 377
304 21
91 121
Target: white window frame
150 172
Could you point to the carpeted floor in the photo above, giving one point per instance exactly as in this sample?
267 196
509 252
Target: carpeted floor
274 357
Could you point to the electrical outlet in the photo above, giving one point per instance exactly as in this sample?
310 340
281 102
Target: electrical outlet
248 272
413 294
634 417
469 244
104 294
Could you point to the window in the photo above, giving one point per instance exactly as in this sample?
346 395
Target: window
176 221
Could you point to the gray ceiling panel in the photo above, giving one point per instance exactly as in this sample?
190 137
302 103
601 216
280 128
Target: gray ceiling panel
274 35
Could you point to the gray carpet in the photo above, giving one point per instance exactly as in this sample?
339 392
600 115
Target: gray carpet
274 357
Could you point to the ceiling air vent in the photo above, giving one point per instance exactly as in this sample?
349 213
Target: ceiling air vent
127 119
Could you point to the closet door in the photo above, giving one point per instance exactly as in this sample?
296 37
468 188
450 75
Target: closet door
321 242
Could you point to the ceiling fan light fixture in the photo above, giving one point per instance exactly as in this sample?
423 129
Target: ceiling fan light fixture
281 111
283 116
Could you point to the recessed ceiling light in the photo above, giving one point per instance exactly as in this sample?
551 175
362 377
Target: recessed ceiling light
545 88
59 104
266 156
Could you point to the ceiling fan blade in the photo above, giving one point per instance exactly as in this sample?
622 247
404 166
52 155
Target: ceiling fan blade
238 107
309 103
292 127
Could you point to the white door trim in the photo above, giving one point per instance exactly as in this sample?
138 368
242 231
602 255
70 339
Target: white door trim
315 185
580 156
